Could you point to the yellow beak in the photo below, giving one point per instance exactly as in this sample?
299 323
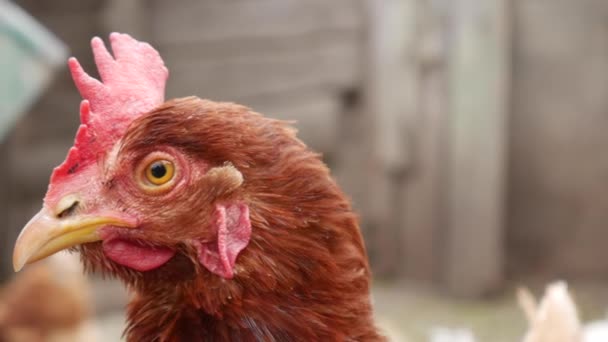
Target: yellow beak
46 234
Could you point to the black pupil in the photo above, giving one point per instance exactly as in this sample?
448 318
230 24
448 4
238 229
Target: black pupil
158 170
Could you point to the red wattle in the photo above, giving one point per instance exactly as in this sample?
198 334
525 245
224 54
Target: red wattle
137 257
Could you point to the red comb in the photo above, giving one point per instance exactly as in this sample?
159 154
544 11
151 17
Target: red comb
132 83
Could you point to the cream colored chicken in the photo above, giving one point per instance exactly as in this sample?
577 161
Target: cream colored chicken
48 302
554 319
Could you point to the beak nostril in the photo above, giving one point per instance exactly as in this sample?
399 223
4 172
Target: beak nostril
69 210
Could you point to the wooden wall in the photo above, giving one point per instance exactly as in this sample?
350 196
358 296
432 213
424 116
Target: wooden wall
559 133
506 142
41 139
373 85
289 59
451 193
469 133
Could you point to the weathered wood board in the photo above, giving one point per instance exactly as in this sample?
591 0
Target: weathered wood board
478 100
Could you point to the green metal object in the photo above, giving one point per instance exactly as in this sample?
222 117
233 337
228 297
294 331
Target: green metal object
29 56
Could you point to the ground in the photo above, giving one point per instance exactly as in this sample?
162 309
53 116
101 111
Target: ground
411 313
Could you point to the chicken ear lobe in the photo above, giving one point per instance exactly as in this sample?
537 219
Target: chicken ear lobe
233 233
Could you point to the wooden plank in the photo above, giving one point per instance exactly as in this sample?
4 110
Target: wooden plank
219 20
350 157
390 85
335 66
245 48
351 165
478 86
423 189
557 151
388 88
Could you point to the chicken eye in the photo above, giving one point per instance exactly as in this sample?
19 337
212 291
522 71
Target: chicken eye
160 172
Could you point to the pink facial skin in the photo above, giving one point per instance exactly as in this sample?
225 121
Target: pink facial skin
233 234
132 82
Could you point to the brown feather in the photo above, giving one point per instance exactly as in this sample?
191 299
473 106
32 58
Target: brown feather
304 275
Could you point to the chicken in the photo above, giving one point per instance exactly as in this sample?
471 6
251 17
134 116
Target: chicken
47 302
555 319
223 223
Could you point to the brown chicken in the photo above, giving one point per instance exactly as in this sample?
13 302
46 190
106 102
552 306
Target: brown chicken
49 301
226 226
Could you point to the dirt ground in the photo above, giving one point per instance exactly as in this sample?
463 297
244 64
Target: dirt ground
412 313
416 313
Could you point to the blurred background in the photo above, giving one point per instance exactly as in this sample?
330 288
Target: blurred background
470 134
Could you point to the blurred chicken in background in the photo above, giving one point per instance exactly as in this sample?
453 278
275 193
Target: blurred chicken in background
556 318
50 301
